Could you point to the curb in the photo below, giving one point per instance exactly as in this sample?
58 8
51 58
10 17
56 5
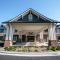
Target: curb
30 54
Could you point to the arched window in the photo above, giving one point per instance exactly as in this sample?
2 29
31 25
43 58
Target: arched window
30 17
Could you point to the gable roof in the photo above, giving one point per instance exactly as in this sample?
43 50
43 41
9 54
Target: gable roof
41 18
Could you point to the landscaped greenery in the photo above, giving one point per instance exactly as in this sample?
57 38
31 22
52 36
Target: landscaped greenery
54 48
23 48
31 48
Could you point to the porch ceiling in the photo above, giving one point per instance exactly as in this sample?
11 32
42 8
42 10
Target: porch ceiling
30 27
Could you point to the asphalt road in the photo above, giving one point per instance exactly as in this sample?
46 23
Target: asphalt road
6 57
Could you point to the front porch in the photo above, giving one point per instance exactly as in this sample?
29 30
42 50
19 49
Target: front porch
27 34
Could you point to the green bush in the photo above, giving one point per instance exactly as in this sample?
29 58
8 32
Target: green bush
58 48
53 48
6 48
10 48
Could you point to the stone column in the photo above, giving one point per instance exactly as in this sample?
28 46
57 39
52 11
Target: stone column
52 35
9 36
41 36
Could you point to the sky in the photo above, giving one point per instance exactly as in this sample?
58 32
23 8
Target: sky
11 8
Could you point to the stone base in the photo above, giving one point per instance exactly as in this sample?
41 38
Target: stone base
7 43
52 43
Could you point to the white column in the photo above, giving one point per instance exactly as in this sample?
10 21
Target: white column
11 32
9 36
7 33
41 36
52 32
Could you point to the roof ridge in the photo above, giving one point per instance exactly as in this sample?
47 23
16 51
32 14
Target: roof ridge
30 9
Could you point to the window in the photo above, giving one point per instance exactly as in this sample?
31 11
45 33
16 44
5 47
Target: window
1 30
58 30
1 38
58 37
15 37
46 30
30 17
15 30
30 38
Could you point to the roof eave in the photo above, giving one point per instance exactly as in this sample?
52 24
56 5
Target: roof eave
30 22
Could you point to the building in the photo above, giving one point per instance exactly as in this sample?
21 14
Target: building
2 34
29 27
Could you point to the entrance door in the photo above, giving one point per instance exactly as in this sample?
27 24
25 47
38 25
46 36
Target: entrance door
30 38
23 38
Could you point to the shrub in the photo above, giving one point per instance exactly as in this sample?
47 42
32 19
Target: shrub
58 48
53 48
6 48
10 48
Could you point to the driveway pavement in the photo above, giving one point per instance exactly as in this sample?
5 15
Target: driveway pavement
7 57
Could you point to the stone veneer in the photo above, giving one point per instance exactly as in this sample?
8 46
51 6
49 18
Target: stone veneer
7 43
52 43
